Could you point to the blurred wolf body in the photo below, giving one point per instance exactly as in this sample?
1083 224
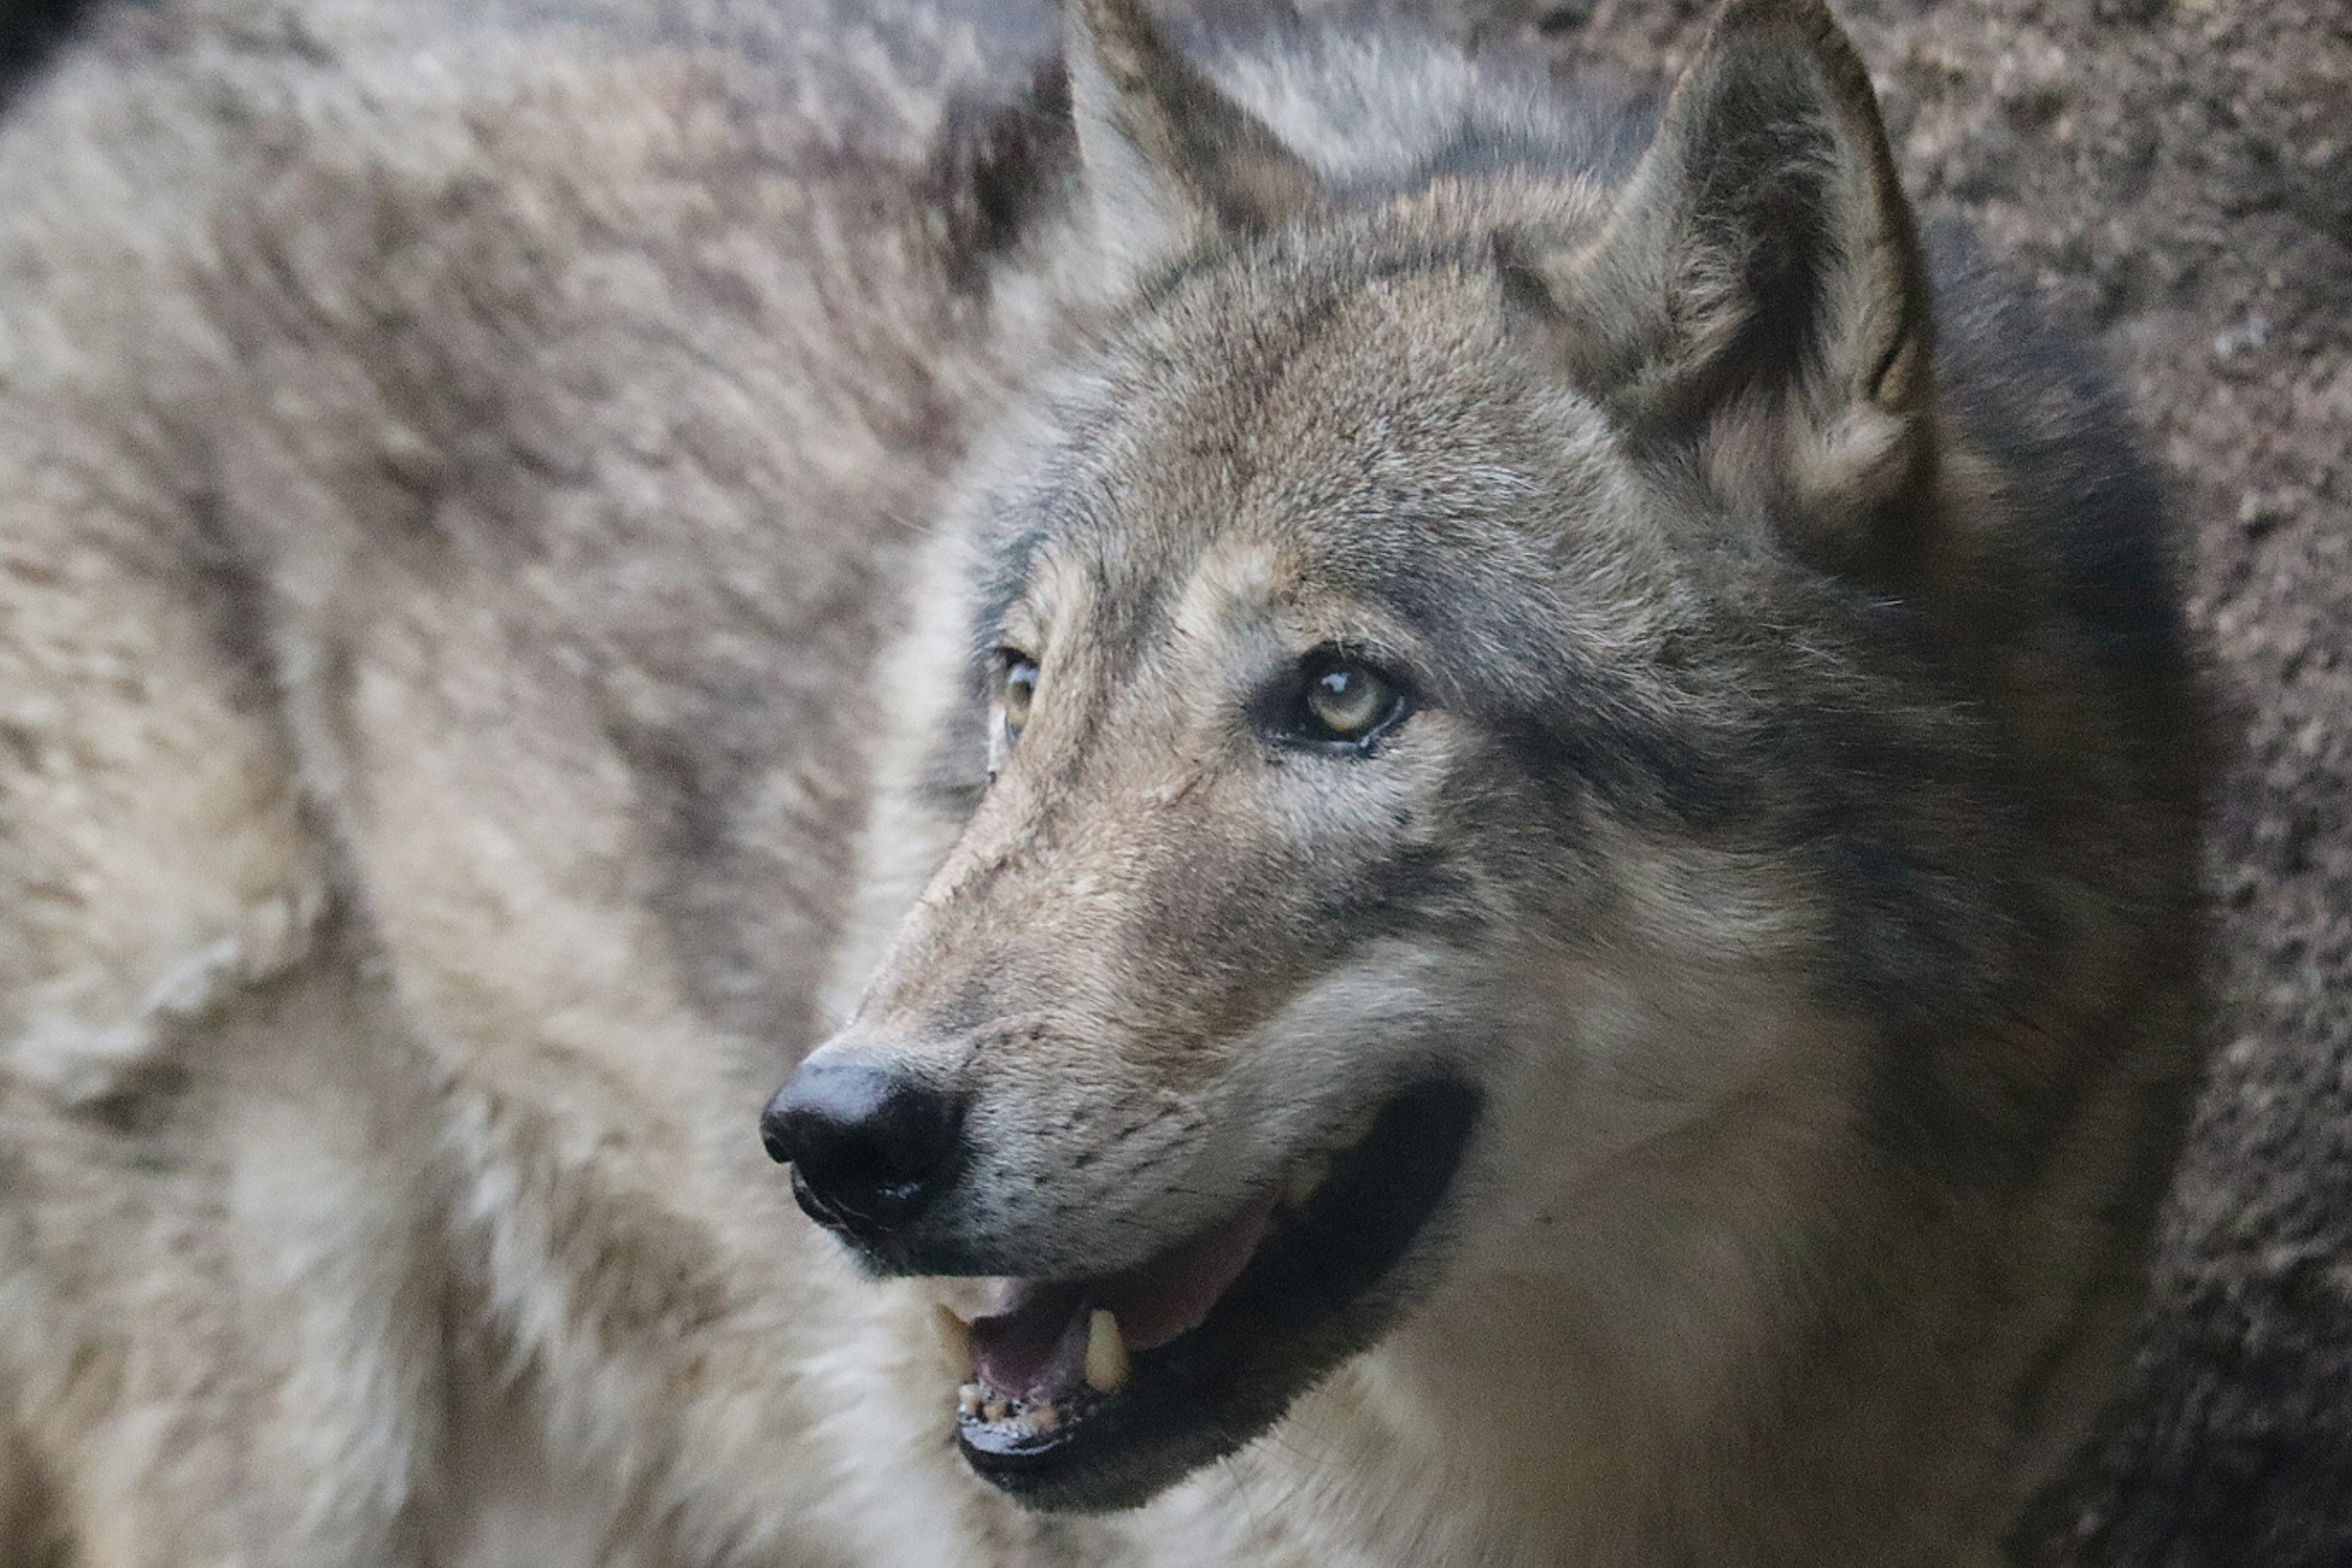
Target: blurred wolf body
1515 754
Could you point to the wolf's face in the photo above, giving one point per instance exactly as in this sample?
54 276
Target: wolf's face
1368 759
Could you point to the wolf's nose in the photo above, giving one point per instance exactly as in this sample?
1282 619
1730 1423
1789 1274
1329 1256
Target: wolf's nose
868 1147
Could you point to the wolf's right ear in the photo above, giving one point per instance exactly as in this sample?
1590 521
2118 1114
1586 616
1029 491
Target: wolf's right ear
1168 160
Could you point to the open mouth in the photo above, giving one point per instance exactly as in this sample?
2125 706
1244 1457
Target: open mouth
1097 1392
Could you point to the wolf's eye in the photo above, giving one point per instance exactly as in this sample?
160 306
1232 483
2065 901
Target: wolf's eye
1019 689
1343 700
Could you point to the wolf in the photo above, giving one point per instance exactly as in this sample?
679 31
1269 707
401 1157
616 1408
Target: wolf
1464 825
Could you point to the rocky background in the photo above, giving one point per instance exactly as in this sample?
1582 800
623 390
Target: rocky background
2179 173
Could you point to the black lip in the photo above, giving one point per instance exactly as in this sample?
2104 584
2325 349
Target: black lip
1309 1299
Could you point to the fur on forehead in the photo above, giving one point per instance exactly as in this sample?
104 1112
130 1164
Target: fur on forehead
1389 411
1756 281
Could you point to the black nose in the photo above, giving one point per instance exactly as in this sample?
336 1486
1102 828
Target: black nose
868 1147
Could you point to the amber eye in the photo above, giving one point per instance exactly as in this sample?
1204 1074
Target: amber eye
1345 701
1019 689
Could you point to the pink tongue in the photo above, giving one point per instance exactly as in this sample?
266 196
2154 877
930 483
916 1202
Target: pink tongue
1036 1347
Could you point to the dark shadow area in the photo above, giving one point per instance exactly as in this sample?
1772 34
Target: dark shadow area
29 29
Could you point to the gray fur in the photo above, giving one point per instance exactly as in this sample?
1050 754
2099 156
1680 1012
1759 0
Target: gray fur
508 517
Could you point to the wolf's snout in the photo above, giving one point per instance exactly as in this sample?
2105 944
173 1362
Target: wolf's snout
869 1148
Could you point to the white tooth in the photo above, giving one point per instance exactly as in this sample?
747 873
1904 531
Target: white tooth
1106 1353
955 1339
996 1410
968 1401
1307 1179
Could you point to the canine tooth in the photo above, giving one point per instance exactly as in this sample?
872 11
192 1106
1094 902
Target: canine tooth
1106 1370
968 1401
1045 1419
955 1338
995 1410
1306 1179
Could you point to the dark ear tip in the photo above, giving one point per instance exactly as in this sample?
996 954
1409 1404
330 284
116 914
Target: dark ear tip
1808 26
1803 28
1809 18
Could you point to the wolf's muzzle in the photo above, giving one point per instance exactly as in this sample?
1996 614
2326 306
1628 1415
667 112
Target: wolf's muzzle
869 1148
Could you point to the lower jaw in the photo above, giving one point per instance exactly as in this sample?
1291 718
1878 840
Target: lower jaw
1319 1290
1131 1460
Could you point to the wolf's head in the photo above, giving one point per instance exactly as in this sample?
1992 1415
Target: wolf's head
1417 674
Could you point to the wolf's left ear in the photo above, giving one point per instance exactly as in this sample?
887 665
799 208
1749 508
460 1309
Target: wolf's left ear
1762 255
1168 160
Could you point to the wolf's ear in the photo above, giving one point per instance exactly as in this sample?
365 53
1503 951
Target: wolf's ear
1168 160
1762 255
